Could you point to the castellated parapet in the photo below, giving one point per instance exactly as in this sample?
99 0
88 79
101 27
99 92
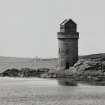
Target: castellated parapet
67 44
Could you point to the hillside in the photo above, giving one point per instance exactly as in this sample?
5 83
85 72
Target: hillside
94 56
13 62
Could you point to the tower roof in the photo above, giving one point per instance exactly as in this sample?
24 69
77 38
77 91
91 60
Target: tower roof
68 26
68 21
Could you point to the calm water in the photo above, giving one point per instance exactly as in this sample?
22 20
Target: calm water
34 91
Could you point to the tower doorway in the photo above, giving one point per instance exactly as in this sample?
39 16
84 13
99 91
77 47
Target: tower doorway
67 65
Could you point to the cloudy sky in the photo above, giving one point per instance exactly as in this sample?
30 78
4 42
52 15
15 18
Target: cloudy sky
28 28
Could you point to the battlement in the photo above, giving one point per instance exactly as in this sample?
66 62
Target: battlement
68 35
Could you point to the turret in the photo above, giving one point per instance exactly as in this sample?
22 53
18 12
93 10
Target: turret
68 44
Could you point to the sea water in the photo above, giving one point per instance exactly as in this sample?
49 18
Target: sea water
35 91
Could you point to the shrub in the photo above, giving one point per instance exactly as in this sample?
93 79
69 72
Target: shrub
11 72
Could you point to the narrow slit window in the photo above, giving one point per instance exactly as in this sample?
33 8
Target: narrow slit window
59 50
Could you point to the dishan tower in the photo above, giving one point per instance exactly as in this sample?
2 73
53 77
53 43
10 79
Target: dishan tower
67 44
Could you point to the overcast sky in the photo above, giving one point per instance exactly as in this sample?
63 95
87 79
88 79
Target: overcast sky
28 28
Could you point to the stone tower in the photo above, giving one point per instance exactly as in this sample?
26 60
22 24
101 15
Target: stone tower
68 44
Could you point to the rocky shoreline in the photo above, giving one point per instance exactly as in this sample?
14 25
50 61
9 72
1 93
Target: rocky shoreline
90 68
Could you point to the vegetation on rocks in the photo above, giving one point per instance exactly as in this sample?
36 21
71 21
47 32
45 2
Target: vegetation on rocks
24 72
88 68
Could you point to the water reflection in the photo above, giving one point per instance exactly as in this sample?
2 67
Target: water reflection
95 83
71 82
67 82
